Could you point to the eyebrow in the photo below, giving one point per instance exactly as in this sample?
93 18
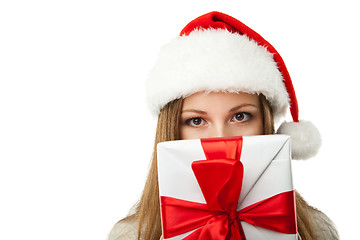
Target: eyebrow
231 110
243 105
194 110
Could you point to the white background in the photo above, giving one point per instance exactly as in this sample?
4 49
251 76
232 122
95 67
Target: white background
76 136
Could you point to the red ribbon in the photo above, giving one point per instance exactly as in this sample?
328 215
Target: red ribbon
220 179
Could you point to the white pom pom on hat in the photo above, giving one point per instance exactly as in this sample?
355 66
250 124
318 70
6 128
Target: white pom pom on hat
305 138
216 52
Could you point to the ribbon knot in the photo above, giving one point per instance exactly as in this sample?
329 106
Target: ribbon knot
233 215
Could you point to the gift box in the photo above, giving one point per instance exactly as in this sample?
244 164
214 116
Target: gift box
227 188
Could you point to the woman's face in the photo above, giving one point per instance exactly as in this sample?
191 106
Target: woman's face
219 114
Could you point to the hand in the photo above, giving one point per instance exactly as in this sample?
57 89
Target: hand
161 238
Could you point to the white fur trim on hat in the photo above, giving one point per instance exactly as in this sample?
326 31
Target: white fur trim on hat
305 138
214 60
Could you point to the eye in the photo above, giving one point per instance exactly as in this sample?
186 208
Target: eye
241 117
195 122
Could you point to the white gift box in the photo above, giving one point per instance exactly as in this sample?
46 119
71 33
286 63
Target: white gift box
266 160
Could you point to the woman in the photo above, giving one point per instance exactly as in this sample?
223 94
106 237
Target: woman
218 79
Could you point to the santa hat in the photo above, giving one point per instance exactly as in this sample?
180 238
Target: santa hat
216 52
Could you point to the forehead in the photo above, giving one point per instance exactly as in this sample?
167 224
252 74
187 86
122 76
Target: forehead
221 99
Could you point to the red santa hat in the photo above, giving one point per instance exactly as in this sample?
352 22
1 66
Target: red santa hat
216 52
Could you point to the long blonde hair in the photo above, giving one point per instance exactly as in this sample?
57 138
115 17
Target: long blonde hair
147 211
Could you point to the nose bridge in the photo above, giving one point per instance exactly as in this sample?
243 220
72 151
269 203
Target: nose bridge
219 129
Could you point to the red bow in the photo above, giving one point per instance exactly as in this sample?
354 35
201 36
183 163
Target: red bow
220 179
